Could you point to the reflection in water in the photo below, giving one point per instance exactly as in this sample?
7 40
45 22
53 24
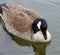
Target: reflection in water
38 48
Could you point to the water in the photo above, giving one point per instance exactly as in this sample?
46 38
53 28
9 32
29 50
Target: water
48 9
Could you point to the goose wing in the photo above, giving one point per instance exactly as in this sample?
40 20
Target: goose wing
15 17
18 19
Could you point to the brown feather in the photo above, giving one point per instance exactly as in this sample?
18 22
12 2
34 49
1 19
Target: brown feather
19 18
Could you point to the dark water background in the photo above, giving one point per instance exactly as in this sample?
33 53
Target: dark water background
48 9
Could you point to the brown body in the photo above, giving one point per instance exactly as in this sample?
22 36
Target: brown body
18 20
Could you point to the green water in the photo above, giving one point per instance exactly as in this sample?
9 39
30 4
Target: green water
50 11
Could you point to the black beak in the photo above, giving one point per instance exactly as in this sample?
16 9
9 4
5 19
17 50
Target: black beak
44 34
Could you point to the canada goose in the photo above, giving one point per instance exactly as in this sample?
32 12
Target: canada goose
24 23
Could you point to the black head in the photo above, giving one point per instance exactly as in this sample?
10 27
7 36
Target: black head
40 25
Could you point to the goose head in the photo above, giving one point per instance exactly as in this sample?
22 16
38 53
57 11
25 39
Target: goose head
40 29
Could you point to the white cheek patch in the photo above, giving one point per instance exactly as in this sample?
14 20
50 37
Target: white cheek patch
39 24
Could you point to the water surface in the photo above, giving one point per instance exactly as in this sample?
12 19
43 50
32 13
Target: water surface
50 11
